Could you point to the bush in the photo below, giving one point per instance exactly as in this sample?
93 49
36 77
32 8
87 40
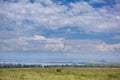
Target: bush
58 70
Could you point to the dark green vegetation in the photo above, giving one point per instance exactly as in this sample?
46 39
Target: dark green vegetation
63 74
88 65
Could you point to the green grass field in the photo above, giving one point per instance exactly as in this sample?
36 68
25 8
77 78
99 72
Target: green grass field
65 74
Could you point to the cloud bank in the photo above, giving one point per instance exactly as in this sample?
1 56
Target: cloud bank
41 43
23 22
47 14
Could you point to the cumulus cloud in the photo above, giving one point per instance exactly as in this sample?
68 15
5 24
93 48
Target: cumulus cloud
35 37
47 14
36 42
22 21
109 47
41 43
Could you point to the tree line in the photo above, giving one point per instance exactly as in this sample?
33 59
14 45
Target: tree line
4 65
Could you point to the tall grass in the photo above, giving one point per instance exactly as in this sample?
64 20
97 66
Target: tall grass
64 74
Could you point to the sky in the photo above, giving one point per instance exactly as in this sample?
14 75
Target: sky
35 31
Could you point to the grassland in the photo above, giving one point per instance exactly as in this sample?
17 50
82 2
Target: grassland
65 74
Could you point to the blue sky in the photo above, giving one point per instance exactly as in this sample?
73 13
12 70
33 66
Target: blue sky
32 31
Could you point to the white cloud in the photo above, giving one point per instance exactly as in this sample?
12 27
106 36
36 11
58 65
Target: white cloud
55 46
53 16
41 43
109 47
20 21
36 37
36 42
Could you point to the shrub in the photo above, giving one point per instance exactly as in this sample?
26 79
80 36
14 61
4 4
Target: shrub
58 70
